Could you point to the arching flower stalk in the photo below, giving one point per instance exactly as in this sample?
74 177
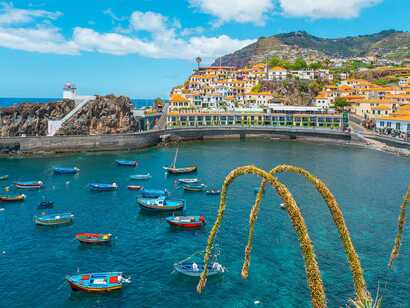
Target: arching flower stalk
402 219
311 266
354 262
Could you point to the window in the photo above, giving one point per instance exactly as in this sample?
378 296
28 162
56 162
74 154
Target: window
398 126
381 123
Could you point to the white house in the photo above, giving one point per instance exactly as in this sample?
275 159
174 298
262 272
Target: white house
277 73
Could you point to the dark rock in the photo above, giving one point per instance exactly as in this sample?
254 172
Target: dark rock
31 119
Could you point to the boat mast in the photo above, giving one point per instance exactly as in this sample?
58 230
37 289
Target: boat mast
175 158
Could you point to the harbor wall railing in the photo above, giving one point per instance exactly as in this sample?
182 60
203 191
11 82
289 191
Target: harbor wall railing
38 144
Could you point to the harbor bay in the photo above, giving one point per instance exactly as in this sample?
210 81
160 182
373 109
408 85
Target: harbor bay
368 185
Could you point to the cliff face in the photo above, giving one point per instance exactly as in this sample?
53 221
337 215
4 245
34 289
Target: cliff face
104 115
31 118
292 92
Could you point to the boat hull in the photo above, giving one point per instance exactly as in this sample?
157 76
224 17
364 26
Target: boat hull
126 163
54 220
29 185
186 269
185 170
134 187
196 188
18 198
91 238
103 187
66 170
157 205
186 222
96 283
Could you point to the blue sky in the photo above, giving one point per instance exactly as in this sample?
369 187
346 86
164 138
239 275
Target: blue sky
142 48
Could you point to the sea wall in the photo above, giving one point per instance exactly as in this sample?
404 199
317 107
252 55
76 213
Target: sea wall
61 144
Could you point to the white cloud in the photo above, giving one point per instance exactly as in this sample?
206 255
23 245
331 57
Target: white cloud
325 8
42 40
11 16
166 38
243 11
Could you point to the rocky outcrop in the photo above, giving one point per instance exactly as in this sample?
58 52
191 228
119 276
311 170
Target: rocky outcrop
105 115
292 92
31 119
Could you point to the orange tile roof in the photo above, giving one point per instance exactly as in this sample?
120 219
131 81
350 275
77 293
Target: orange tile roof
178 98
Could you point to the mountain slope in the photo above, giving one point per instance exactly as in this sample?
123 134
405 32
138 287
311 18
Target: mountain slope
391 44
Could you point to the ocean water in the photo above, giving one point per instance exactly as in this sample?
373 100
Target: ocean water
369 186
7 101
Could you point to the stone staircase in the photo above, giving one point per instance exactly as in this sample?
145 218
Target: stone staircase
162 122
55 125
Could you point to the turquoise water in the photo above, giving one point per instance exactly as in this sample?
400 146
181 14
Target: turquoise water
368 185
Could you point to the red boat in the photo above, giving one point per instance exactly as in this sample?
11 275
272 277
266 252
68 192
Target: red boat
188 222
93 238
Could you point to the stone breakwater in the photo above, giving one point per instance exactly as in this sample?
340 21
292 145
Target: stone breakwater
103 116
31 119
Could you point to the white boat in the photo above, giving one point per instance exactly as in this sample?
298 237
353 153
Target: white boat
188 180
140 176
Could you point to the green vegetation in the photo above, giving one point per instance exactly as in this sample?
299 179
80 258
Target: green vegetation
341 103
386 80
299 63
256 88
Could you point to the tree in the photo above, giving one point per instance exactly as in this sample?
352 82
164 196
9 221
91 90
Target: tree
275 61
256 88
299 64
341 103
316 66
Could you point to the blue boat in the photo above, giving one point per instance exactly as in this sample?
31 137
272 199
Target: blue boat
194 187
66 170
154 193
195 269
161 204
97 282
54 219
126 163
140 176
103 187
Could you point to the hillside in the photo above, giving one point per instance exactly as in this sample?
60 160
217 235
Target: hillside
390 44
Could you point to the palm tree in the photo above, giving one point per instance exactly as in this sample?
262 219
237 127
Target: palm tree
198 61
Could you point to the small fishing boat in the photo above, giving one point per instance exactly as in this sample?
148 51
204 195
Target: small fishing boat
174 170
66 170
283 206
4 177
10 198
93 238
194 187
103 187
184 170
126 163
46 205
54 219
29 185
97 282
187 222
140 176
213 192
154 193
160 204
134 187
188 181
195 269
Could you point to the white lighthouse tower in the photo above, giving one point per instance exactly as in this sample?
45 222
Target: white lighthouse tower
70 91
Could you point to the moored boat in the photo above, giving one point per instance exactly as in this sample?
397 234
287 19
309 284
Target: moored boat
102 187
93 238
161 204
146 176
134 187
187 222
194 187
66 170
4 177
29 184
10 198
54 219
126 163
45 205
174 170
195 269
184 170
188 180
96 282
154 193
213 192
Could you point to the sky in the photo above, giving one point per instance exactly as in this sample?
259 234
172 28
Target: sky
143 48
